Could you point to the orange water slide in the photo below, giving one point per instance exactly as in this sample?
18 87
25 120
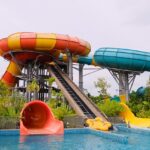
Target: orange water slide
37 118
23 48
9 77
26 46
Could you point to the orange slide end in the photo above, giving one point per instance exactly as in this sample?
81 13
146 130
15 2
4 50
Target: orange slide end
37 118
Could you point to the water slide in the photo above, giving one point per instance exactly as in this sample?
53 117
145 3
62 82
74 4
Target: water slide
116 58
121 59
130 118
129 60
37 118
21 48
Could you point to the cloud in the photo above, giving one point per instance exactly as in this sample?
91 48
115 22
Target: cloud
134 12
104 23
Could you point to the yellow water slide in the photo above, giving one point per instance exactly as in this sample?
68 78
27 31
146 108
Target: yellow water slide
130 118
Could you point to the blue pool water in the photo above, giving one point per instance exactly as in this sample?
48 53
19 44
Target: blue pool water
78 139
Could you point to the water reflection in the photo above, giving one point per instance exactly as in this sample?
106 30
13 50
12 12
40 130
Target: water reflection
43 141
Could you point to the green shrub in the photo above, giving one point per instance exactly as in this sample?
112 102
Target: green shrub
110 108
60 109
143 113
9 122
96 99
11 105
4 90
140 104
61 112
135 107
140 108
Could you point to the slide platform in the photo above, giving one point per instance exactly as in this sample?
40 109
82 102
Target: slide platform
37 118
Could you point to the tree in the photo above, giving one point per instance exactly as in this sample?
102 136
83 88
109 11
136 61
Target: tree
97 99
50 81
147 90
140 104
33 87
147 94
102 86
110 108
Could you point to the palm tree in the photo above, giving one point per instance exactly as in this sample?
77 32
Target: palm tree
33 87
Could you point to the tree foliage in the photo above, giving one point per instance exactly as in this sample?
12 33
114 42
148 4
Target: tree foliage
60 109
33 86
11 105
11 102
110 108
96 99
50 81
140 105
3 89
102 85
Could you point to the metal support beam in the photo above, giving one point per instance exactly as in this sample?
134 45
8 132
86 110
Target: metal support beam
29 77
33 70
81 76
125 80
70 65
36 74
39 73
123 84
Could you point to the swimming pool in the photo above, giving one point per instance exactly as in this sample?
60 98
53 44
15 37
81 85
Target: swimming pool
77 139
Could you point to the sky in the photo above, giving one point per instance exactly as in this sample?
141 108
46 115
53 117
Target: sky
103 23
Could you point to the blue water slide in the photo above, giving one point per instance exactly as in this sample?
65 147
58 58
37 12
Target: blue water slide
140 91
120 58
85 60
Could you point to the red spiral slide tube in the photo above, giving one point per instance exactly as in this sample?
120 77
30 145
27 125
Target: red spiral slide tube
37 118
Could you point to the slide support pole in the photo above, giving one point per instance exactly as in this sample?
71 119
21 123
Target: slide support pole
70 66
81 76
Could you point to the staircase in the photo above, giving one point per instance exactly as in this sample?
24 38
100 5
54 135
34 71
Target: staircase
78 100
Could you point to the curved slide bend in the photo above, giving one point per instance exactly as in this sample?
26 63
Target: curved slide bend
130 118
